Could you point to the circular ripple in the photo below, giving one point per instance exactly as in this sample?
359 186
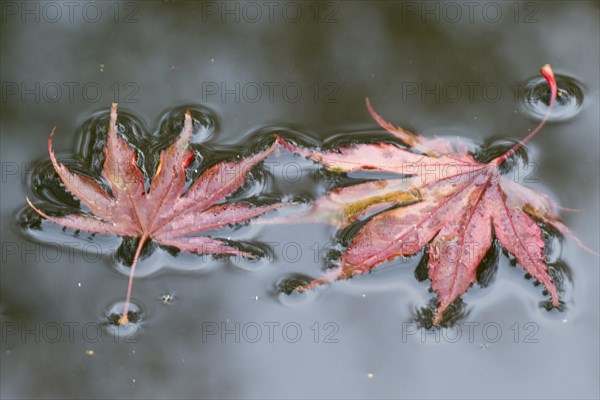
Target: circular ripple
536 98
114 312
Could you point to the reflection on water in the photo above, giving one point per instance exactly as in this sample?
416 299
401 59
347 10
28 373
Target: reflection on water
202 344
536 98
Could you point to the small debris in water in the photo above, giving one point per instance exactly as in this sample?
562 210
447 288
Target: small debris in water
89 352
370 375
167 298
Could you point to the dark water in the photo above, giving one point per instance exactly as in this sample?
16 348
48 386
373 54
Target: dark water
221 328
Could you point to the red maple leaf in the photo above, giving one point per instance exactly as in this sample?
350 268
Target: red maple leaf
445 199
165 213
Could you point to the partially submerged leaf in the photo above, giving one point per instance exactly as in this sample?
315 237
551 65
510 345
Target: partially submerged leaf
445 199
164 214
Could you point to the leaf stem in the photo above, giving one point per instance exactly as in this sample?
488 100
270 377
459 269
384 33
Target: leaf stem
124 318
547 73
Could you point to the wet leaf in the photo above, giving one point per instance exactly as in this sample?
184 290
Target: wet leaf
164 213
445 200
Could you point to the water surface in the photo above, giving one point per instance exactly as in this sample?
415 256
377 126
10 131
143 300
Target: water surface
219 328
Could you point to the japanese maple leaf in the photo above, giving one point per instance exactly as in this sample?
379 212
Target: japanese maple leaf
445 199
164 213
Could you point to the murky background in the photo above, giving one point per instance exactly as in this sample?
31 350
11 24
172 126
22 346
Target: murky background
219 328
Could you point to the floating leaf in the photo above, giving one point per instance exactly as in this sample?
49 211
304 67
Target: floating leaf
164 213
446 200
